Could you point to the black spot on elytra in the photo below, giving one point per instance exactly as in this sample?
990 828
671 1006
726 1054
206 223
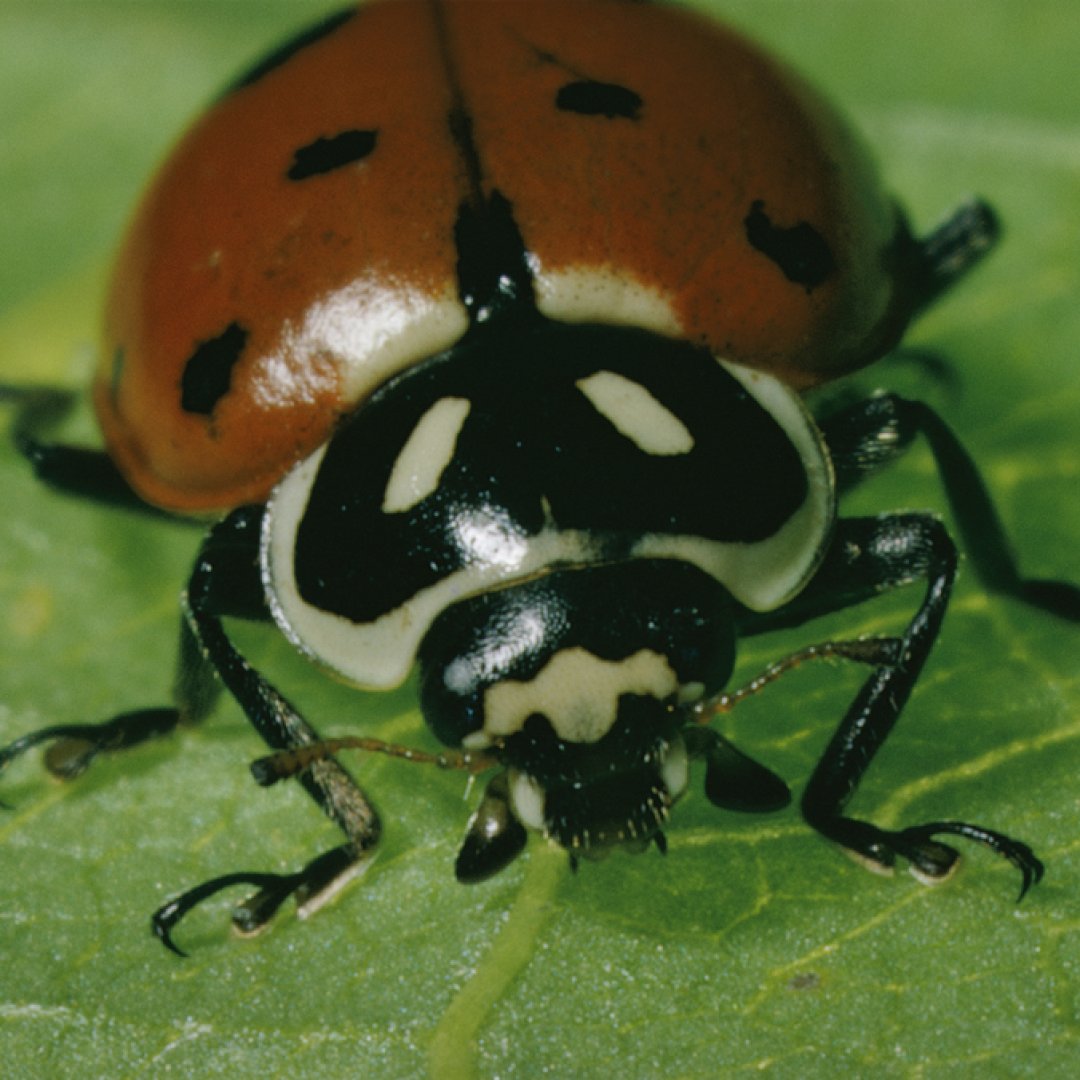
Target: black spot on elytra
208 372
589 98
287 51
326 154
800 251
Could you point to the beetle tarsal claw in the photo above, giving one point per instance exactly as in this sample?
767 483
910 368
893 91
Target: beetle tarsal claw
932 861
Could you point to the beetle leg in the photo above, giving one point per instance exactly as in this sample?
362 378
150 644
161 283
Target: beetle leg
868 436
74 470
952 248
226 582
332 788
734 781
282 728
318 877
228 556
72 747
866 557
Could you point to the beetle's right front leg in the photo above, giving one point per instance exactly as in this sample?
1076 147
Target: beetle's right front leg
212 594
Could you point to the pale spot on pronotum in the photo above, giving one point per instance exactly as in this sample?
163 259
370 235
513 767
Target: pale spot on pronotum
426 454
635 413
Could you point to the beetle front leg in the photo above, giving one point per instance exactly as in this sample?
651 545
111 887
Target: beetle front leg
868 556
282 728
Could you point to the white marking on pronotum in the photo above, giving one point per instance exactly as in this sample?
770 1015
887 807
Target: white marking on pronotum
635 413
768 572
379 654
577 692
426 454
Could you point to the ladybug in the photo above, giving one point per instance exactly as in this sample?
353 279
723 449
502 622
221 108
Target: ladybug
481 331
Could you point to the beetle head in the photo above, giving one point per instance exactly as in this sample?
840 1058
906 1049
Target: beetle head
576 682
589 797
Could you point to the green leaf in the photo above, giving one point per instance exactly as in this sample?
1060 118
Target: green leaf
754 945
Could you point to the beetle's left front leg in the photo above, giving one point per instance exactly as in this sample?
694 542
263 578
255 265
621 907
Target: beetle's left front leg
282 727
868 556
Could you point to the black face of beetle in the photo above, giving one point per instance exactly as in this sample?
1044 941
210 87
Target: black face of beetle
574 639
573 680
615 791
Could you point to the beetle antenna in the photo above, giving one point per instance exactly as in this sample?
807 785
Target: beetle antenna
878 651
287 763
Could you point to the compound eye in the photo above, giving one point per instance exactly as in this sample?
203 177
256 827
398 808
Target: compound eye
495 837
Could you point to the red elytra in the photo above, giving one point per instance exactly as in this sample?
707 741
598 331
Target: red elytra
342 278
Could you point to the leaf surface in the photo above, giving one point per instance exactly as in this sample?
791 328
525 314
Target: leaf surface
754 945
